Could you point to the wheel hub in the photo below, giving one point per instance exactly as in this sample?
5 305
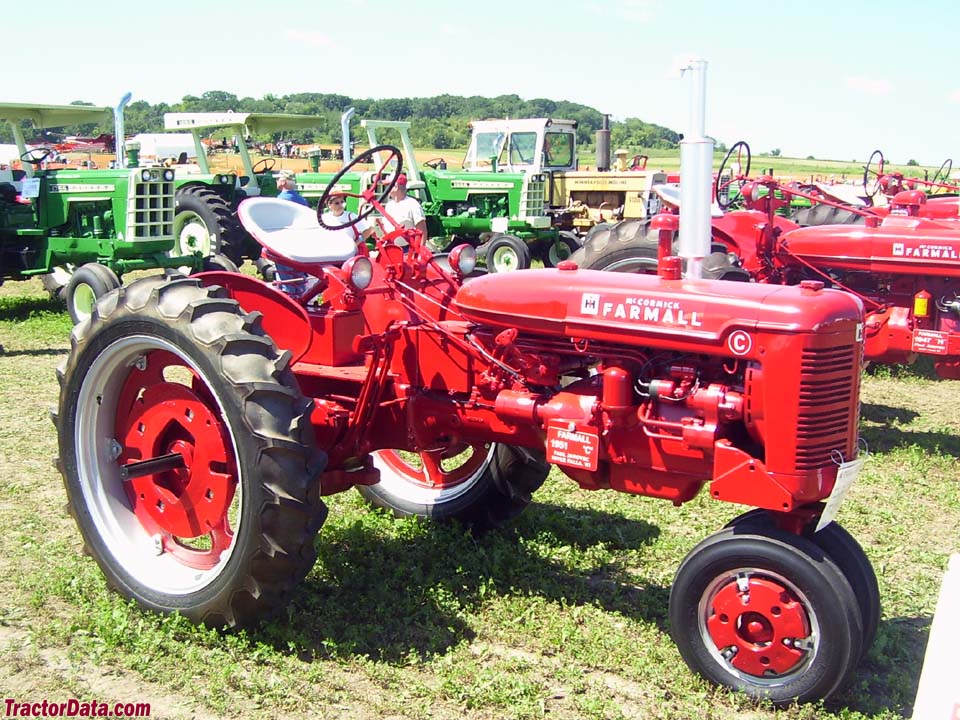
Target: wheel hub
756 624
187 502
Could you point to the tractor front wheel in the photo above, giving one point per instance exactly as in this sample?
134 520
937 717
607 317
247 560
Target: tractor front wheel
561 249
506 253
187 454
766 613
481 486
88 284
849 557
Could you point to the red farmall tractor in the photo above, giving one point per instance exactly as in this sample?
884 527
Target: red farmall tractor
202 419
904 267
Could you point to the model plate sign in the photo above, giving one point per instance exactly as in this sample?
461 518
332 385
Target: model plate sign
930 342
577 448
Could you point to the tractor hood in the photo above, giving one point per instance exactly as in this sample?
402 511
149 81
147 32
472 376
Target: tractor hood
705 316
900 246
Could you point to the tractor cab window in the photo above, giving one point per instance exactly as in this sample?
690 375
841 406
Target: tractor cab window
485 146
523 148
558 149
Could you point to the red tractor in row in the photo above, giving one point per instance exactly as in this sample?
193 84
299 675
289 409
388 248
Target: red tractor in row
202 420
903 265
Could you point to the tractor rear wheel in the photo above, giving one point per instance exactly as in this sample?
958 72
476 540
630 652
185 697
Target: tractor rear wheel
621 247
561 249
481 486
506 253
821 214
205 223
766 613
188 455
88 284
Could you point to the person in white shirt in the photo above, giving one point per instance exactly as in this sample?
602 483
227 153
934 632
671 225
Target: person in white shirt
336 215
404 208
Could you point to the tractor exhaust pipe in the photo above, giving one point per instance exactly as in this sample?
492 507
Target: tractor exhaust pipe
603 145
345 133
118 131
696 174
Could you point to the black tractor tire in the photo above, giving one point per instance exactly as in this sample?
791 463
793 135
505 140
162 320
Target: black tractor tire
552 255
821 214
740 597
621 247
88 284
496 485
848 555
204 222
219 262
506 253
235 410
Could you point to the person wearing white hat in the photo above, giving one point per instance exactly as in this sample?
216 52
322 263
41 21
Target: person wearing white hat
287 185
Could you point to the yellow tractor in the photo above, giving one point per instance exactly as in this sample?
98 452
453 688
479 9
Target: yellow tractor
578 199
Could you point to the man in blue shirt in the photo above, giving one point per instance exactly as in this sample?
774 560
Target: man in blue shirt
287 185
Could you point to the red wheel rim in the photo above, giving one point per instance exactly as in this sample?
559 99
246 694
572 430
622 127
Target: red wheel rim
431 472
759 625
155 417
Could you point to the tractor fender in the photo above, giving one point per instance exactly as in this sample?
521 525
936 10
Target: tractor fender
282 319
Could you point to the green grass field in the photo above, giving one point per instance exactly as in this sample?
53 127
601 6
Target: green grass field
560 615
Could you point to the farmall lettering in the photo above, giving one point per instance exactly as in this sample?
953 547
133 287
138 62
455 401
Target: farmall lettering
923 250
641 309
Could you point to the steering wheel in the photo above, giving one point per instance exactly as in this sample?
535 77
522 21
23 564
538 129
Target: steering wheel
36 155
724 198
435 163
943 174
871 185
639 162
365 209
267 164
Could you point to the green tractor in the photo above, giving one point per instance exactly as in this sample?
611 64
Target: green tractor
90 226
503 214
206 202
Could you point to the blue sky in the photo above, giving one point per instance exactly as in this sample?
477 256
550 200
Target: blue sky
830 79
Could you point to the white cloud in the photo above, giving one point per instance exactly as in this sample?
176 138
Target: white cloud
310 37
868 86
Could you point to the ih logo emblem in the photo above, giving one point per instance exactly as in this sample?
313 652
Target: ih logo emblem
899 249
590 304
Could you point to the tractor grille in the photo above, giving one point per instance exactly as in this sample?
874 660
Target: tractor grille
533 197
828 392
151 206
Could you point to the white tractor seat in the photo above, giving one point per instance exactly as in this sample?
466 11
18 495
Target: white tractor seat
290 230
669 194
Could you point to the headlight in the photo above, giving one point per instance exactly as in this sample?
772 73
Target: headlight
168 174
145 175
463 259
223 179
359 271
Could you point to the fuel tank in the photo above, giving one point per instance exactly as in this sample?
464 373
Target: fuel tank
627 309
899 246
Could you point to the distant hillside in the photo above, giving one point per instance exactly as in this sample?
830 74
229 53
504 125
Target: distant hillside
437 122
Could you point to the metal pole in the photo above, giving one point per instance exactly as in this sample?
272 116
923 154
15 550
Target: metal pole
345 134
696 176
118 132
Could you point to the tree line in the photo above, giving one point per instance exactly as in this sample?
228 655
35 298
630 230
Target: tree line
436 122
